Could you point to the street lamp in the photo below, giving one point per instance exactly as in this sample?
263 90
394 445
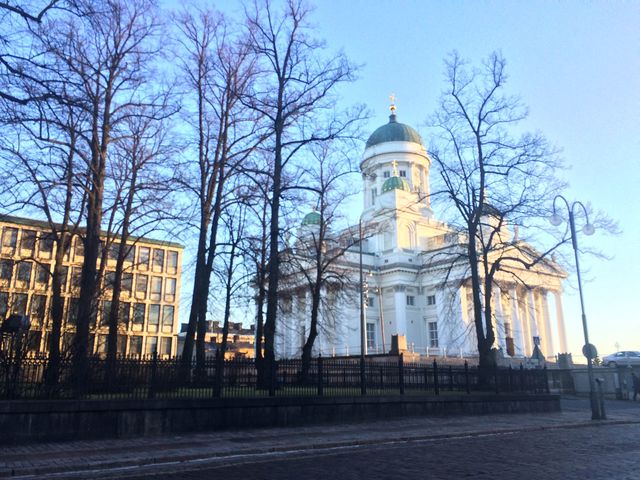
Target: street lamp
588 349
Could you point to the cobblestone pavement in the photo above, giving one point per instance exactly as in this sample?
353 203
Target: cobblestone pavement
381 447
610 452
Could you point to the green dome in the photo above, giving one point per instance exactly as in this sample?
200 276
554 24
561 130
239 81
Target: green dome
395 183
312 218
394 132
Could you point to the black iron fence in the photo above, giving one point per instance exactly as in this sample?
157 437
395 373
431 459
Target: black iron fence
153 377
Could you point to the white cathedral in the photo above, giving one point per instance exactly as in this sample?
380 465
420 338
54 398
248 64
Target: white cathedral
410 290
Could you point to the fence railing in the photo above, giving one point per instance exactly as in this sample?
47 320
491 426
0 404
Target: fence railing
153 377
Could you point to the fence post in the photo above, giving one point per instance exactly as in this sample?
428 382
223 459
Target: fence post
401 373
426 378
320 382
151 393
466 377
450 378
272 377
521 378
363 384
510 379
436 383
495 378
218 380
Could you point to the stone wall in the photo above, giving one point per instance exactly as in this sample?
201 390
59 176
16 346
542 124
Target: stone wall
28 421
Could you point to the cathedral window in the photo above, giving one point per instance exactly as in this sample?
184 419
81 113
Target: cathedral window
403 173
386 174
411 300
433 335
431 299
374 194
371 336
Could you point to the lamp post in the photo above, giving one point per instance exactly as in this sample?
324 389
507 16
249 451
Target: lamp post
363 338
588 349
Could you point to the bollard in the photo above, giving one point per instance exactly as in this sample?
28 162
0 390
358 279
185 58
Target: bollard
599 382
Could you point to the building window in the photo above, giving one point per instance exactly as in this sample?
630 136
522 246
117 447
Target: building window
158 260
403 173
130 253
154 318
386 174
23 274
371 301
411 300
76 277
38 308
64 273
172 262
121 344
79 252
152 345
106 309
124 316
113 251
46 245
431 299
138 316
73 311
28 242
127 283
170 290
143 258
9 238
507 329
6 271
371 336
156 289
374 194
167 318
135 345
4 304
19 306
433 335
165 346
141 286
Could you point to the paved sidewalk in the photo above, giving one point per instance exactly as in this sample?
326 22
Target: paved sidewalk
118 457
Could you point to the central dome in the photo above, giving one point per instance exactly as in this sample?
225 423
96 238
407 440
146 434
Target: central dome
394 132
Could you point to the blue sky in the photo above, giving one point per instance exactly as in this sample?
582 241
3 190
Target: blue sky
576 64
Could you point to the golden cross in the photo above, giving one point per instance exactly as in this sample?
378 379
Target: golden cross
394 164
392 97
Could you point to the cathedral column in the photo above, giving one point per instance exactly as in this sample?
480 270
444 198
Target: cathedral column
400 301
526 323
498 323
547 323
562 333
516 321
531 314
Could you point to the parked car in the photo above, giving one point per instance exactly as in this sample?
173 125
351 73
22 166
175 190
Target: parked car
622 359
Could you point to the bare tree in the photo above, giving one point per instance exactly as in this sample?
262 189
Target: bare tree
106 51
218 69
318 259
142 193
492 180
297 84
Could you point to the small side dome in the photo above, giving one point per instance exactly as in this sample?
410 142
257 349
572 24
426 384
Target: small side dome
312 218
394 132
395 183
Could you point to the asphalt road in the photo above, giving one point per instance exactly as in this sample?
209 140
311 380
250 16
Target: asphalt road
593 453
